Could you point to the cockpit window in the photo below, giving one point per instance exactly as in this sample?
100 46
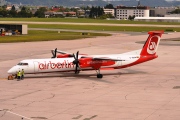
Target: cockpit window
22 63
19 64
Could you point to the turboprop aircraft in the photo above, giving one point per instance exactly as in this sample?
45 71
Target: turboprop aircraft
66 62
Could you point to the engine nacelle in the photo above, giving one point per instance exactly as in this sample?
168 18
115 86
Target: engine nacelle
96 64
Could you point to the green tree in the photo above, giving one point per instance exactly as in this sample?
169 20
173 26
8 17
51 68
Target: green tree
25 13
61 9
4 7
12 12
176 11
96 12
13 8
74 9
40 12
3 12
131 17
110 16
85 8
67 10
109 6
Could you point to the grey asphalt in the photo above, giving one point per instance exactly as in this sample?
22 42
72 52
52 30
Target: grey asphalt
148 91
94 24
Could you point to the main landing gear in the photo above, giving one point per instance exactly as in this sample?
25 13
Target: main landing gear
77 72
99 75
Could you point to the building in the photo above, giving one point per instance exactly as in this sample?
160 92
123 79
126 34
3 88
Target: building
173 15
123 12
70 14
2 2
158 19
161 11
160 14
13 29
53 14
81 13
9 7
55 9
109 11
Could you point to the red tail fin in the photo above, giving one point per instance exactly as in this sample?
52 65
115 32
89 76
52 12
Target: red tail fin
151 44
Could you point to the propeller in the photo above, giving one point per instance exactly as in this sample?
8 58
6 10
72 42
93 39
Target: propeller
76 62
54 52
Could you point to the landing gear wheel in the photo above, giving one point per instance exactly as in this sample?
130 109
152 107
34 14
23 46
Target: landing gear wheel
77 72
99 76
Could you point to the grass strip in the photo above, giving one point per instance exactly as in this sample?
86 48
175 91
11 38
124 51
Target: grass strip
103 28
39 35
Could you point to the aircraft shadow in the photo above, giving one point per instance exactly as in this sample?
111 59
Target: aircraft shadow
89 76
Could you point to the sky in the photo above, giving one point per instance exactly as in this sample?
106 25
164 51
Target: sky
172 0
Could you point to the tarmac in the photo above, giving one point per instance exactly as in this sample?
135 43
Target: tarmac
148 91
94 24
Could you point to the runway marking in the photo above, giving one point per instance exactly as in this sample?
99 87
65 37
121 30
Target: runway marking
20 115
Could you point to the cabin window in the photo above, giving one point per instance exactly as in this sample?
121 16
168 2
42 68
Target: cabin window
22 64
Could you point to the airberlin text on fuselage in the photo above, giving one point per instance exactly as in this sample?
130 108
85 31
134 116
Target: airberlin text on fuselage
50 65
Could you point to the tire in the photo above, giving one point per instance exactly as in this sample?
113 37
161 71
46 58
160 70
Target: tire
99 76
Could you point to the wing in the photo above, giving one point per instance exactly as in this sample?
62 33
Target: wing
101 58
105 58
61 52
87 56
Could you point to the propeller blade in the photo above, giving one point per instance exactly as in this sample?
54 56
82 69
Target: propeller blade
74 56
77 55
76 61
54 52
76 69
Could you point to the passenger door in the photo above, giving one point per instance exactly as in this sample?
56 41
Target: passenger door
36 67
119 62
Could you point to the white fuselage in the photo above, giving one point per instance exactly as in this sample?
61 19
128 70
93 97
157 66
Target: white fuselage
66 64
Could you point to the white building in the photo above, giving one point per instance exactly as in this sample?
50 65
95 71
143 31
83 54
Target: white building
123 12
173 15
161 11
109 11
158 19
53 14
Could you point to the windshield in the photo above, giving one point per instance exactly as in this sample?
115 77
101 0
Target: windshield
22 63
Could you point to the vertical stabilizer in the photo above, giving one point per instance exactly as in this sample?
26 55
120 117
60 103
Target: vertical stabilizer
151 45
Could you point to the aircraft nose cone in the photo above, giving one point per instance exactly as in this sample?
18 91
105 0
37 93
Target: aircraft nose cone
11 71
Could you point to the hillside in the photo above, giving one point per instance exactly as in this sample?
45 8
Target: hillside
152 3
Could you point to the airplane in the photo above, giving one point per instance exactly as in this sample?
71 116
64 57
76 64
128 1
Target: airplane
67 62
